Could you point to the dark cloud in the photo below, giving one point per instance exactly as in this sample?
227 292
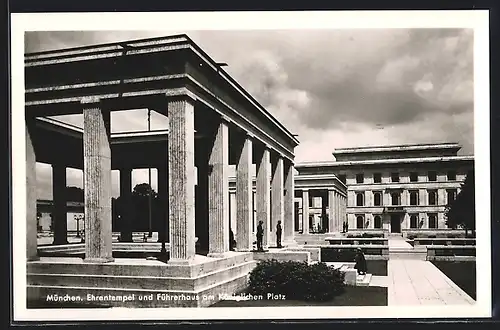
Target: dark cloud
325 82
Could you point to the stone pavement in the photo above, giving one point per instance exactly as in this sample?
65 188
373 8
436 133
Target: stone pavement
418 282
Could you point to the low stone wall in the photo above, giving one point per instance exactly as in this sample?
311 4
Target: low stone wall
367 232
451 253
314 239
357 241
443 241
346 253
117 247
283 255
433 233
315 253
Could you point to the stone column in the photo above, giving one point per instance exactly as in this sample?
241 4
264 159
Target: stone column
332 215
263 194
289 214
163 196
305 211
97 182
218 191
181 180
126 205
324 201
277 206
244 189
31 219
59 211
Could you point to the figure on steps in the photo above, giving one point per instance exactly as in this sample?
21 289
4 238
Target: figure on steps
360 262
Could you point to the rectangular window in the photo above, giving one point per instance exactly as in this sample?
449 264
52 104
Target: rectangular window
452 175
413 221
413 177
414 197
451 195
377 177
433 220
360 178
394 177
396 198
432 176
432 194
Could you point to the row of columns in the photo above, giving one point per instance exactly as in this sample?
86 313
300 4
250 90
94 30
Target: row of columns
336 210
274 196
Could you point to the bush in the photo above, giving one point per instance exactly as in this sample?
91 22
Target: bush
296 280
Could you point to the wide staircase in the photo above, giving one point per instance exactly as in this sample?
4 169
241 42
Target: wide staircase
400 249
146 283
351 274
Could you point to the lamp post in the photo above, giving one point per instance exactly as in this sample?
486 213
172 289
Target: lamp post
149 182
77 218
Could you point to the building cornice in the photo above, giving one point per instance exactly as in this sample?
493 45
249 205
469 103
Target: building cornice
384 161
402 147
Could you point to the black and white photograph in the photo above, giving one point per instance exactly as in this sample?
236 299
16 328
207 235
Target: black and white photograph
184 166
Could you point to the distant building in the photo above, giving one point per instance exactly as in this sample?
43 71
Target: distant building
396 187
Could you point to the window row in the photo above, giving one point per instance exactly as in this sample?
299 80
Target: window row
414 223
395 198
395 177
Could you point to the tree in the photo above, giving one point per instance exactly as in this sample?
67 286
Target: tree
462 211
143 190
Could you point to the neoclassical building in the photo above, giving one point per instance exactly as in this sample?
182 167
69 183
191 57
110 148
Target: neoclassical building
213 124
396 187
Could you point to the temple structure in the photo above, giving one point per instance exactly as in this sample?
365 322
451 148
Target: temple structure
396 188
213 123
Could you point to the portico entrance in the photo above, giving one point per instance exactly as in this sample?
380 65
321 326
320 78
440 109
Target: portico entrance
395 223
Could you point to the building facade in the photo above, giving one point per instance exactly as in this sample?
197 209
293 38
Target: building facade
397 188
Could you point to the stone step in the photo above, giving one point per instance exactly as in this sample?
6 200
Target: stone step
363 280
411 255
140 282
134 267
160 298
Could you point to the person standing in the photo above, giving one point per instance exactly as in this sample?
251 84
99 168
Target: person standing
360 262
279 230
260 235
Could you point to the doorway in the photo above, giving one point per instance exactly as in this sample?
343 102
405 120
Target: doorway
395 223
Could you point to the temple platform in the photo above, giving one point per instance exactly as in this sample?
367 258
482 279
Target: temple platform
146 283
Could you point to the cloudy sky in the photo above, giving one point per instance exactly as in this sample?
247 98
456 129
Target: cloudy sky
334 88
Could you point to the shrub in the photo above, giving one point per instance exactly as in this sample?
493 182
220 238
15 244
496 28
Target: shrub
296 280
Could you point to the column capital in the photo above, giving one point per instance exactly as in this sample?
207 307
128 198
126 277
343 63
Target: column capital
90 100
304 189
250 135
225 119
181 94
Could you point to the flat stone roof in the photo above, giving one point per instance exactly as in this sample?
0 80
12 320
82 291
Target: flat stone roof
134 47
385 161
402 147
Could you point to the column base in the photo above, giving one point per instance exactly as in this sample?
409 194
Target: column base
99 260
243 250
60 242
290 243
218 254
34 258
180 262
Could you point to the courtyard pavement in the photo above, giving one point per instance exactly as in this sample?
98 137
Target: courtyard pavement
419 282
